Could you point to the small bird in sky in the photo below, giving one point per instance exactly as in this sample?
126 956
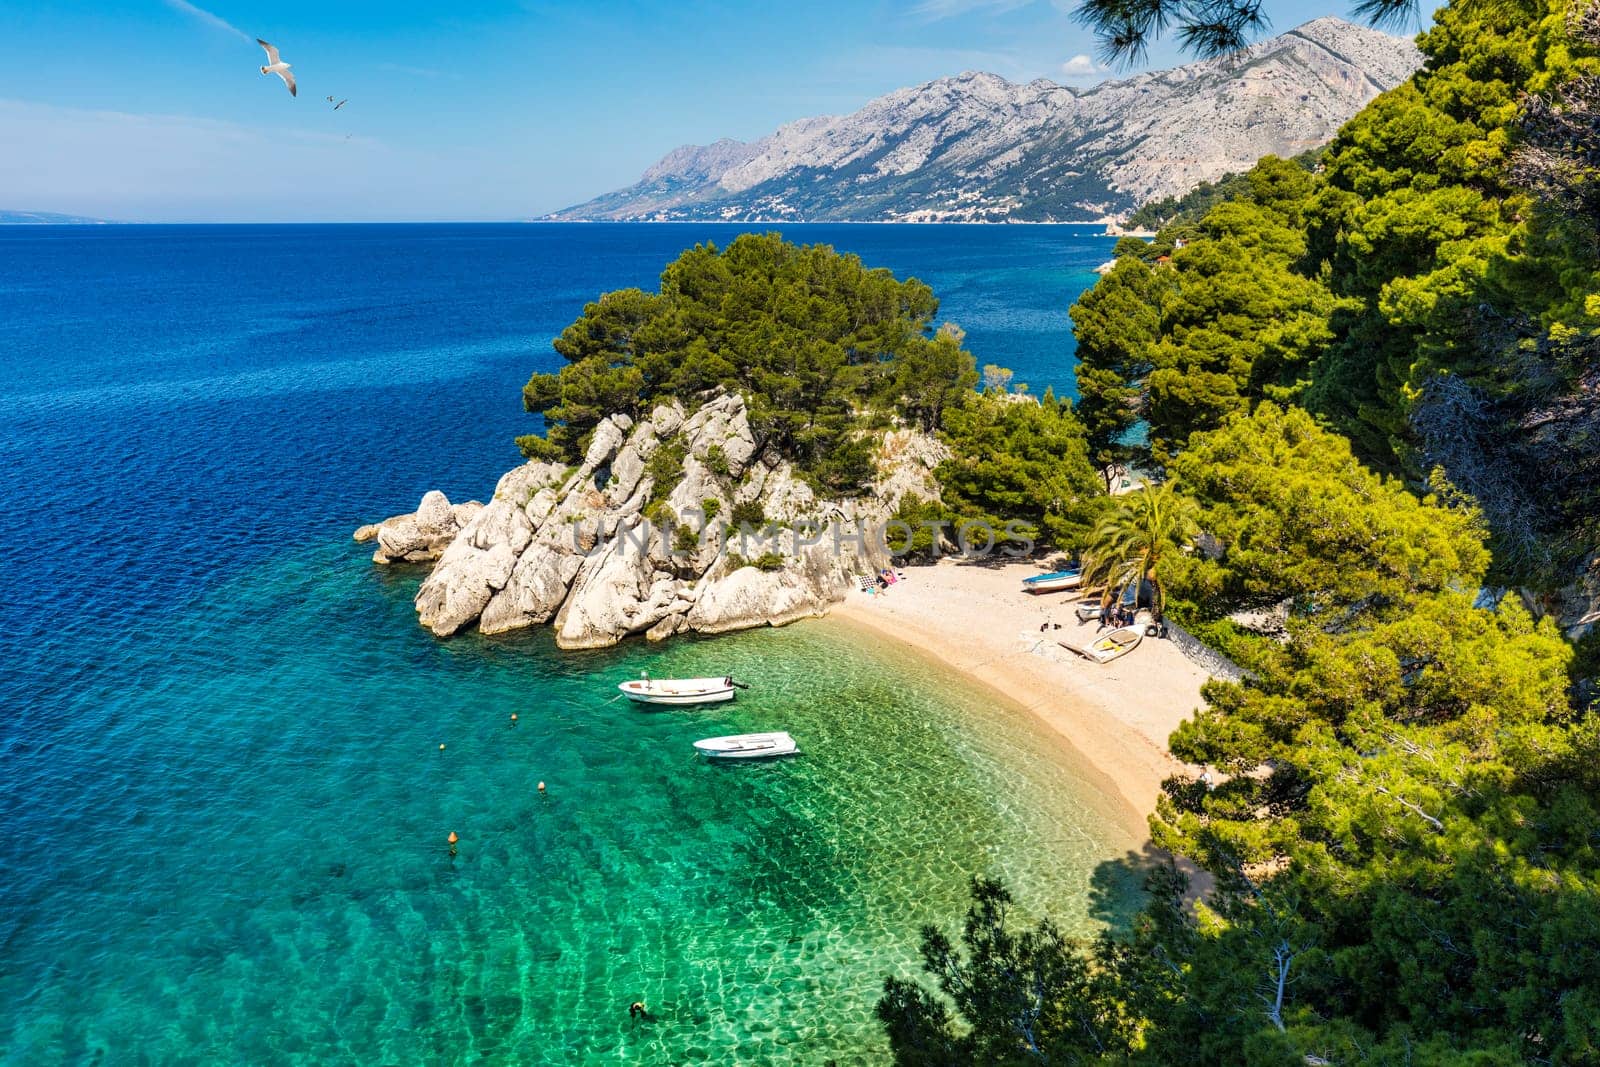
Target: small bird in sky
275 65
340 104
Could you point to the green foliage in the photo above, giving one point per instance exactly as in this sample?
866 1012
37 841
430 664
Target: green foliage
660 513
1125 29
1026 996
540 449
712 507
664 468
747 513
1226 321
920 516
1118 325
1412 292
1417 223
1298 516
768 561
1402 827
1402 840
717 461
685 539
1017 459
1139 539
1191 206
811 339
1130 246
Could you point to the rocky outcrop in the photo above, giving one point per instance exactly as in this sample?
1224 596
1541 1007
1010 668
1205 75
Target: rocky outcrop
979 148
1575 606
637 538
421 536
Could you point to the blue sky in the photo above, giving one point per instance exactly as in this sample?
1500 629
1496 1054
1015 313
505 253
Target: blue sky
155 110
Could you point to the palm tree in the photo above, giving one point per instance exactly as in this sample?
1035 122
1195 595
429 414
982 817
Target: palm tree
1147 527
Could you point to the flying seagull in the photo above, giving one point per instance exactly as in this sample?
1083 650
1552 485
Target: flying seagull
340 104
277 66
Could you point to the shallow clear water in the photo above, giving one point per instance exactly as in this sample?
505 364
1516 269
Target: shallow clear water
225 802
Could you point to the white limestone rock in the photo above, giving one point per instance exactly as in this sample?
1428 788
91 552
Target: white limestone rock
422 536
475 566
573 548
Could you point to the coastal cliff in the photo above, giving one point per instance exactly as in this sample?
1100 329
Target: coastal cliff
644 536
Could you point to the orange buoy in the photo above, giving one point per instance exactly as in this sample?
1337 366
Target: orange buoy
453 838
541 787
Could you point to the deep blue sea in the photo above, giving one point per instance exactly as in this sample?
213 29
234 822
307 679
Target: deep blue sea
225 803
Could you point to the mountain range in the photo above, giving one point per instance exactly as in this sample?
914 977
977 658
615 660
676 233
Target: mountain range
46 218
979 148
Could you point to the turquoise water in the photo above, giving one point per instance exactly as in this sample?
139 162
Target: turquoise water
225 803
265 834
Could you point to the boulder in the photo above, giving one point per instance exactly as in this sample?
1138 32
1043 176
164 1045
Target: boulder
534 592
473 567
749 597
618 591
422 536
572 548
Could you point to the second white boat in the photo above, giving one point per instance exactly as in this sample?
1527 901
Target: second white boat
747 746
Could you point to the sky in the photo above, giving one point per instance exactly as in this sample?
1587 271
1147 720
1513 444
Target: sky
156 110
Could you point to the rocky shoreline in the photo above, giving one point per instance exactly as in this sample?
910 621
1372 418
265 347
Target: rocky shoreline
638 539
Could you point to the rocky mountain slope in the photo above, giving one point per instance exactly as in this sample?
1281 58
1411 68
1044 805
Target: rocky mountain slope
591 550
977 147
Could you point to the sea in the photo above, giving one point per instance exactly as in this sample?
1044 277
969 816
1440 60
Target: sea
231 758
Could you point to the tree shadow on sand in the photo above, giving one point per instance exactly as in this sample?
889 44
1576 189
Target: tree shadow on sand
1116 888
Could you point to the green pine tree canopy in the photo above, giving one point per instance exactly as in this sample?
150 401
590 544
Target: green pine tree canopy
1429 292
816 343
1377 386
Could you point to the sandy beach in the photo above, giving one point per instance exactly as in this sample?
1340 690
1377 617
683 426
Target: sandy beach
976 618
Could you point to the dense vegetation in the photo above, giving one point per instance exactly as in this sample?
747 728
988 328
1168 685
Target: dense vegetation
1430 293
1375 389
816 343
1020 461
1402 826
825 353
1188 208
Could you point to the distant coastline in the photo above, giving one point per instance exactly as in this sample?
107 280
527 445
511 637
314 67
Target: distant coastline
48 218
1108 224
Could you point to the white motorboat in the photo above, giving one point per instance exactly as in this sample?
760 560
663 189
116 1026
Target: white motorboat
1111 644
748 746
1053 582
1087 610
647 690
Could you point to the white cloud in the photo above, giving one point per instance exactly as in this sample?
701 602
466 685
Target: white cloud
1081 66
214 21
